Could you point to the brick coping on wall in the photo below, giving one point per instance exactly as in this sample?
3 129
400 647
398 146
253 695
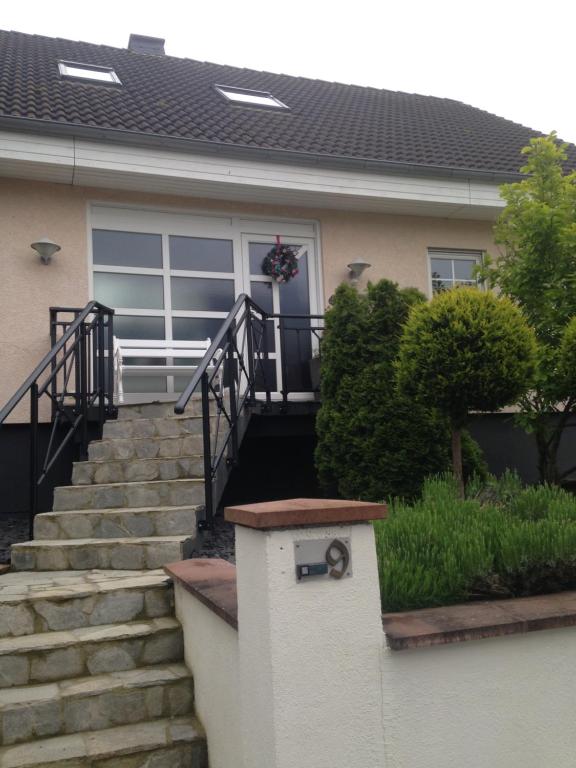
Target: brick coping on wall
301 513
213 582
474 621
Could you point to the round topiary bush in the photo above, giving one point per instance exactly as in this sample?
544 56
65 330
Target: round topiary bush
466 350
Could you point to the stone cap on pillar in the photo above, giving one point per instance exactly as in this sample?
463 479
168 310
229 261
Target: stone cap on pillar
304 512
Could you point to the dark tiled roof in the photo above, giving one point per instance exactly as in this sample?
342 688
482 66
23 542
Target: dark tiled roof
167 97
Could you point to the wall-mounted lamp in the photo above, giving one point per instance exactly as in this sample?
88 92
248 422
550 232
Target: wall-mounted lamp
45 248
356 268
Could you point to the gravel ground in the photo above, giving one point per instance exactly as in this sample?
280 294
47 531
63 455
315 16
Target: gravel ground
219 542
216 543
12 530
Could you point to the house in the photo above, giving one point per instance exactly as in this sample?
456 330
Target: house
161 184
165 181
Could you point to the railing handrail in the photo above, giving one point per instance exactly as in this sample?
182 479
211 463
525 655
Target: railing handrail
282 315
52 354
205 363
241 363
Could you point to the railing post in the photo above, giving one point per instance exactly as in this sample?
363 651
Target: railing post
33 456
53 334
283 362
207 523
267 384
250 347
83 361
110 370
101 361
232 389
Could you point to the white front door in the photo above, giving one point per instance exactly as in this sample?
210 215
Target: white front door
177 275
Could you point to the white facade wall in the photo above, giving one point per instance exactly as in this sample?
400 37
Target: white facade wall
309 654
505 702
309 682
211 653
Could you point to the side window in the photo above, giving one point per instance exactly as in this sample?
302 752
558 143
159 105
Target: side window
452 268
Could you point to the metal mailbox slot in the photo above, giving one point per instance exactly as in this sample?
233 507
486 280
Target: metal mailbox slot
323 558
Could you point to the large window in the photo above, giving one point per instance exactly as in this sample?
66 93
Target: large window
452 268
173 275
162 287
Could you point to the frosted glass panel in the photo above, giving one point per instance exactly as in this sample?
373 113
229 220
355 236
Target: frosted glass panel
198 293
136 291
262 295
201 253
128 327
196 328
145 384
126 249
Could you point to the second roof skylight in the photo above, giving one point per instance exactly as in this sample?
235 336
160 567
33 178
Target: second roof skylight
250 98
90 72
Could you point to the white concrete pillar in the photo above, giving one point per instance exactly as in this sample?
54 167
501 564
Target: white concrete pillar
309 650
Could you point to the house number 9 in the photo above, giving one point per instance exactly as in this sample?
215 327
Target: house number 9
337 556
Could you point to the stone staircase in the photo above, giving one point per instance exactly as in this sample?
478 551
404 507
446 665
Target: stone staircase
91 657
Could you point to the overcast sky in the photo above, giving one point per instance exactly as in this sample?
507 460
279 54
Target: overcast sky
511 57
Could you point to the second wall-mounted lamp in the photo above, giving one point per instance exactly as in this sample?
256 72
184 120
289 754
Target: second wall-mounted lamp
356 268
45 248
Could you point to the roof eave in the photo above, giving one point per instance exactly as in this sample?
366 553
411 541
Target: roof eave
203 147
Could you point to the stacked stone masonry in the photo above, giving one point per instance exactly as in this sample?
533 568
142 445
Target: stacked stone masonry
91 670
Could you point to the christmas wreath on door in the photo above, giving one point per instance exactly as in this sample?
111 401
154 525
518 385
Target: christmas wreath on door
281 262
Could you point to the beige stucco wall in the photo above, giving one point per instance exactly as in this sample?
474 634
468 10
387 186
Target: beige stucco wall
396 246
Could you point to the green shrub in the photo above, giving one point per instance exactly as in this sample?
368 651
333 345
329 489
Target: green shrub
444 549
375 442
466 350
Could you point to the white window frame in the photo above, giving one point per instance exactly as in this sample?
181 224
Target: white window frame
452 254
74 71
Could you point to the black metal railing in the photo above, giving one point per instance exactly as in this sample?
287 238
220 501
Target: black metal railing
76 380
237 374
299 330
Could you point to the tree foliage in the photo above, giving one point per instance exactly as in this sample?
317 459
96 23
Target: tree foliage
374 441
537 270
466 350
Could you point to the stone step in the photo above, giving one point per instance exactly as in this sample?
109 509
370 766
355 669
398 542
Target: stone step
168 427
33 602
94 703
160 410
162 743
136 470
86 554
145 447
156 493
117 523
52 656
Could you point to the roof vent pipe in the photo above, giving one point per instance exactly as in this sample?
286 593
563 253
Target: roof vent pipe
153 46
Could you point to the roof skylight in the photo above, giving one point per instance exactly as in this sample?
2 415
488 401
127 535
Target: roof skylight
250 98
88 72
